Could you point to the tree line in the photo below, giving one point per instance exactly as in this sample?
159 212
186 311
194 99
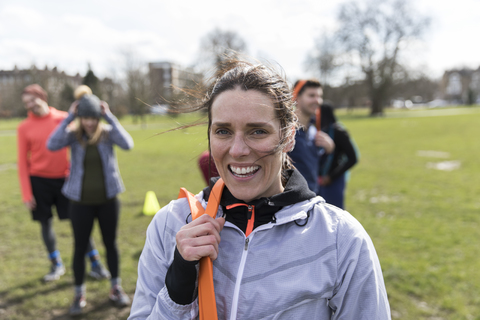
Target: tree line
362 63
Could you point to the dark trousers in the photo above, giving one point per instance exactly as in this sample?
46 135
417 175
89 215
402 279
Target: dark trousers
334 193
82 217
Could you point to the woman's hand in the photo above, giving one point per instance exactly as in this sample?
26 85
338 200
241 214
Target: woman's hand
200 238
73 107
104 107
323 140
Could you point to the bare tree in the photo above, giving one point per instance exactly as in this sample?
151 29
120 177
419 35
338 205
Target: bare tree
218 46
323 60
376 32
92 81
137 85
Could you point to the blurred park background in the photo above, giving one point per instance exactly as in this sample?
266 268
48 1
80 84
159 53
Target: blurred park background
413 115
415 190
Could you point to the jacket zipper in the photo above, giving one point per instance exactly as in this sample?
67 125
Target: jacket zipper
236 292
241 268
250 216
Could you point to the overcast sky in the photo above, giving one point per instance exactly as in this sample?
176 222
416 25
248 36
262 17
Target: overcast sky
70 34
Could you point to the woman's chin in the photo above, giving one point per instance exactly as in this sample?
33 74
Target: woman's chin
244 195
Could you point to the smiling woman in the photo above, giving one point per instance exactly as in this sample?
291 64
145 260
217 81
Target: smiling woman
278 251
243 144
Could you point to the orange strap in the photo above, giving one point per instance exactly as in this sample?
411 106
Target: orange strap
297 88
318 118
251 219
206 292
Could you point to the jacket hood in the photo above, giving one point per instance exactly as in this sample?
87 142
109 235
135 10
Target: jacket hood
266 209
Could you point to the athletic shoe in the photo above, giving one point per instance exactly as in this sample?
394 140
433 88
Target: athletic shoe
55 273
119 297
79 302
99 272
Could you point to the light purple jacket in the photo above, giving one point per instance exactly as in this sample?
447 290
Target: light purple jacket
116 134
322 267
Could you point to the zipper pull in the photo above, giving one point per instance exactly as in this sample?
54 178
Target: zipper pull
246 244
249 216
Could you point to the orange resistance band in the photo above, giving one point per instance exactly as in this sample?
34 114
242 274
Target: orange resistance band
206 292
318 118
251 215
297 88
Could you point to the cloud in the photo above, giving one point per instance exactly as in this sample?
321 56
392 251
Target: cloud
21 18
66 35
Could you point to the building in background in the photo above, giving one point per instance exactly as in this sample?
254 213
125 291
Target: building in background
57 83
167 80
461 86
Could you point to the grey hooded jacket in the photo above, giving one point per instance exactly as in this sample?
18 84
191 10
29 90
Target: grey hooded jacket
116 134
322 267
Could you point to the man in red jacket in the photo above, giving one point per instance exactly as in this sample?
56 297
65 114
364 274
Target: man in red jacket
42 174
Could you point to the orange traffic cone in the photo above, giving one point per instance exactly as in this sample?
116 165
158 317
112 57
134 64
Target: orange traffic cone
151 206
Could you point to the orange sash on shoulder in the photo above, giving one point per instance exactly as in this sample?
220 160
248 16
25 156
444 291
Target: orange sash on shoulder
206 292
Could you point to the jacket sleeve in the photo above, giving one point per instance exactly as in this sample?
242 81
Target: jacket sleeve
344 144
360 289
22 153
118 135
151 300
61 136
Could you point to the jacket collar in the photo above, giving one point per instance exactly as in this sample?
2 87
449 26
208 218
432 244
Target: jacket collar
296 190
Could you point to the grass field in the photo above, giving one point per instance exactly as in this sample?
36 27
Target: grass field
423 221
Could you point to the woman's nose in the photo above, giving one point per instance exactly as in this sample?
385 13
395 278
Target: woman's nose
239 148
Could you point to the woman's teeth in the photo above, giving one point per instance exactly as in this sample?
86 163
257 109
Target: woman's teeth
244 170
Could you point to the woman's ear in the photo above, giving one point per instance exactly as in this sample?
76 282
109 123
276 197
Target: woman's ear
291 141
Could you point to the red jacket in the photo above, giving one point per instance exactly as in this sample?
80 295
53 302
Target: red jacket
34 159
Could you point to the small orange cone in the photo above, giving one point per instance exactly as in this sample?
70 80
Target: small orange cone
151 206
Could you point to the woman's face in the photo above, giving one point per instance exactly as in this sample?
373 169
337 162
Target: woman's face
89 124
243 133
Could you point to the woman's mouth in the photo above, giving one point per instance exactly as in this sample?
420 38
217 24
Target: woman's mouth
243 172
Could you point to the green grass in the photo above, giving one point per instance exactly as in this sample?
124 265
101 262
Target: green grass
423 222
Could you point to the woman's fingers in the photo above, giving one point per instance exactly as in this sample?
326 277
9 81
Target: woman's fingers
104 107
206 219
73 107
193 249
200 238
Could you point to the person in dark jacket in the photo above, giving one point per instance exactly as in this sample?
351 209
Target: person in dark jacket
310 143
333 167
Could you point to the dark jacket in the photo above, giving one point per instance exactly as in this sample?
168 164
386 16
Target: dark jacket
344 156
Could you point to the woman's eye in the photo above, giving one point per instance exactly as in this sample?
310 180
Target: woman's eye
221 131
259 131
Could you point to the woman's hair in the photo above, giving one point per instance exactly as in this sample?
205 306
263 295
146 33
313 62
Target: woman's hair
80 133
94 139
80 91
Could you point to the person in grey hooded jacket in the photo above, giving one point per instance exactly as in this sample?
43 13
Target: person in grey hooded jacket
278 250
92 186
